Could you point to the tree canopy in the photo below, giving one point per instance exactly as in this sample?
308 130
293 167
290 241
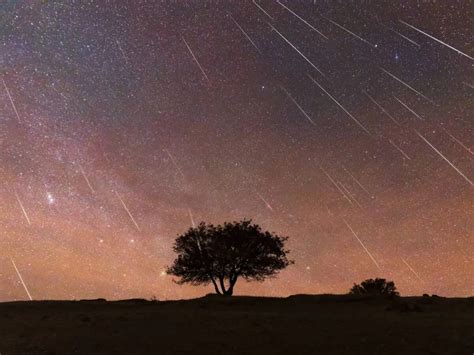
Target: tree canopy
378 286
223 253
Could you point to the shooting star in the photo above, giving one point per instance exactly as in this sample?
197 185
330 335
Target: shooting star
296 49
21 279
408 86
404 37
328 210
121 51
350 32
191 218
363 246
445 159
262 9
301 19
128 211
22 208
381 108
174 163
11 100
399 149
336 185
342 107
437 40
297 105
195 59
59 93
85 178
351 195
358 182
459 142
245 34
412 270
265 202
408 108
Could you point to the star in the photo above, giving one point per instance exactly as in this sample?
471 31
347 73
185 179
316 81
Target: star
50 198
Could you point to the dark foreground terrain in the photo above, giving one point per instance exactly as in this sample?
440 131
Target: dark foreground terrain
303 324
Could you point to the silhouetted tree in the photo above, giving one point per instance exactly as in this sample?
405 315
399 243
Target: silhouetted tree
221 254
375 287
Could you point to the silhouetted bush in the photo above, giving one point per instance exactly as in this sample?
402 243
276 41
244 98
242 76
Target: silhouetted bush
221 254
377 287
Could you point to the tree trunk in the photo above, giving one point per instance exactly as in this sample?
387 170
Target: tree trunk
230 290
232 282
215 286
221 281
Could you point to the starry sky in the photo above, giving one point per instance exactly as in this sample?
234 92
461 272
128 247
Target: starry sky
346 126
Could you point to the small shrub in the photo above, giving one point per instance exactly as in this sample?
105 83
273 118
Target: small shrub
377 287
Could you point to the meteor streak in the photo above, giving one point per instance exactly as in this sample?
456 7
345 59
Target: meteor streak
22 208
408 108
11 100
21 279
328 210
262 9
337 186
265 202
296 49
437 40
357 182
85 178
408 39
381 108
351 195
342 107
174 163
303 20
363 246
411 269
350 32
59 93
128 211
445 159
297 105
245 34
121 50
195 59
191 217
399 149
458 141
408 86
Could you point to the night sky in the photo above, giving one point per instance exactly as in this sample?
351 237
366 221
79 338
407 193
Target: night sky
346 126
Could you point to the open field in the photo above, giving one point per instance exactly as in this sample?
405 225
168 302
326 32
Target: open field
302 324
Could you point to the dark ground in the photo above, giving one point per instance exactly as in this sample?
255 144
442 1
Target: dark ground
324 324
